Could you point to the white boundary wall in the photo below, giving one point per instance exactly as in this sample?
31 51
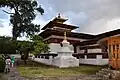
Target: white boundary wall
97 61
55 62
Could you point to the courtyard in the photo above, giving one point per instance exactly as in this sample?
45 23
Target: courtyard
40 70
34 70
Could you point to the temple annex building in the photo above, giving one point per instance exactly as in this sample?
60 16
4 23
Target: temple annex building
91 49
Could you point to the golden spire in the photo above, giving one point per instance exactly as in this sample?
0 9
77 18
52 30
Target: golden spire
65 38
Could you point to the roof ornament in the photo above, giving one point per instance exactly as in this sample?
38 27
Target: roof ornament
59 15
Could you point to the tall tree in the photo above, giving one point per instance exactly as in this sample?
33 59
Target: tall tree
24 14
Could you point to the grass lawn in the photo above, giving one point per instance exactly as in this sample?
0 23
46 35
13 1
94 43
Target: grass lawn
40 70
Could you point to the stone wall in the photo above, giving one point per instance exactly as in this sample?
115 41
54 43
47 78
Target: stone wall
107 74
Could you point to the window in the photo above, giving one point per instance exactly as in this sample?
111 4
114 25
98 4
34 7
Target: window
82 56
91 56
38 56
46 57
104 56
42 56
35 56
77 57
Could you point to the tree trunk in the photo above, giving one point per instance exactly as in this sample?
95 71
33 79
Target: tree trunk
25 62
25 57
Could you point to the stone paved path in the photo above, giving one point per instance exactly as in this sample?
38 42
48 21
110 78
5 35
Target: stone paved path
12 75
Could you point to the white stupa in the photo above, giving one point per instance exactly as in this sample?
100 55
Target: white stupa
65 58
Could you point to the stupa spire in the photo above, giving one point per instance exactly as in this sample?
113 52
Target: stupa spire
65 38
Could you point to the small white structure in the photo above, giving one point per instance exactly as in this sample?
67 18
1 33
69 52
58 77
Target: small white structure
65 58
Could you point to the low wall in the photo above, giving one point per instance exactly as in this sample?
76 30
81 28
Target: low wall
44 61
16 55
63 61
94 61
52 59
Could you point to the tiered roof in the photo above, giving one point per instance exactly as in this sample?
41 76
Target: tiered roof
58 22
49 32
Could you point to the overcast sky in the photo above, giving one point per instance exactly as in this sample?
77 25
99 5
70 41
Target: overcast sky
91 16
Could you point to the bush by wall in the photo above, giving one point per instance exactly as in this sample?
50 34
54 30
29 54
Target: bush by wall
2 65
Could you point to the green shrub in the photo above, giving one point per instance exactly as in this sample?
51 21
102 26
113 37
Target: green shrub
2 65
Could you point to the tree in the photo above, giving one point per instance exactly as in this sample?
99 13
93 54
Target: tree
7 45
36 46
24 14
24 47
39 45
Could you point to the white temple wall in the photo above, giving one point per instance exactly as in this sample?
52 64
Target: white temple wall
16 55
92 61
65 61
94 50
44 61
78 49
54 47
97 61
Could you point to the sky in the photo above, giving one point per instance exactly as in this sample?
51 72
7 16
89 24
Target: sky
91 16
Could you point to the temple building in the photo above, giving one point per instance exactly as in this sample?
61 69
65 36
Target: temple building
54 31
88 48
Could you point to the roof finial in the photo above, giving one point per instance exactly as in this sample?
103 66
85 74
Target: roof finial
59 15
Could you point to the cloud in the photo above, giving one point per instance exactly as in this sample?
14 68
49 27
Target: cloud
6 30
1 24
3 15
93 16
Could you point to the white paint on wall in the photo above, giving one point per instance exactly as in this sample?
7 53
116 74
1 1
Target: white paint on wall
94 50
94 45
81 51
97 61
55 47
16 55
